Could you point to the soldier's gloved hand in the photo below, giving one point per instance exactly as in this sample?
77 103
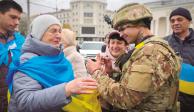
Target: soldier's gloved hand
84 85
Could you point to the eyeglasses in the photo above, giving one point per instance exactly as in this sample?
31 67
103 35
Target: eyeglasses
54 30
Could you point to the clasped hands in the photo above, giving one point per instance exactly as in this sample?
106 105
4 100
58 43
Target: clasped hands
102 62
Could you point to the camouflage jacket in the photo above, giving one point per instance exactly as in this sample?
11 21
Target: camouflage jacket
149 80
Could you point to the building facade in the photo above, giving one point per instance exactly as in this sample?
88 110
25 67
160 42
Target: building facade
86 18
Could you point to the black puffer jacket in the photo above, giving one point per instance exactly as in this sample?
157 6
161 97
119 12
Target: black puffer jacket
184 48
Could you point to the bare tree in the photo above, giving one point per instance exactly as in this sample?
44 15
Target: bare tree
23 27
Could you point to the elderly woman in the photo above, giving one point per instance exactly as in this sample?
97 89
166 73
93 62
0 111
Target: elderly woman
43 80
69 42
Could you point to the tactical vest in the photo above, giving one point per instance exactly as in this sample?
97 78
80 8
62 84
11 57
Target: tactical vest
153 102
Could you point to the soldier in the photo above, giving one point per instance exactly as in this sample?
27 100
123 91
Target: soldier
149 78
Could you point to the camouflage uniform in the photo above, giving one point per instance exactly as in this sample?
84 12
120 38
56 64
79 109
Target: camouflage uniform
149 79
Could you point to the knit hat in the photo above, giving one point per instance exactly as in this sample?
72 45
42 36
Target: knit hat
40 25
182 12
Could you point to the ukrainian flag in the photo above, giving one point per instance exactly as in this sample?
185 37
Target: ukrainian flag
186 82
44 69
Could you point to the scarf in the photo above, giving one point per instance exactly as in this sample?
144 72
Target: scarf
113 59
13 47
47 70
49 66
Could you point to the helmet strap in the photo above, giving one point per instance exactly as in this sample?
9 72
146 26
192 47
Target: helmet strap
139 36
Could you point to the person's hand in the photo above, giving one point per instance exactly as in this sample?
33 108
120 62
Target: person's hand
92 66
107 65
85 85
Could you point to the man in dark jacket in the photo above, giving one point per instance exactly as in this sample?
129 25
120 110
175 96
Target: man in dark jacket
10 43
182 41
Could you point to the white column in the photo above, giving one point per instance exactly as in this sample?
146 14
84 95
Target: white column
156 26
152 26
168 27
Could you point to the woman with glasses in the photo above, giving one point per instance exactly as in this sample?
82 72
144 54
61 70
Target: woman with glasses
43 80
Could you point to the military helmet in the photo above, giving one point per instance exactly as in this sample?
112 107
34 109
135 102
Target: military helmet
130 13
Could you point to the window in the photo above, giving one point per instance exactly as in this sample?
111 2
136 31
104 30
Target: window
88 14
87 5
88 39
88 30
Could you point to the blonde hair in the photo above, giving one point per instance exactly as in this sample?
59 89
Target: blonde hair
68 38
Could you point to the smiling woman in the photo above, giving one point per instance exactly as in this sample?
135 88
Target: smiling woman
43 79
52 35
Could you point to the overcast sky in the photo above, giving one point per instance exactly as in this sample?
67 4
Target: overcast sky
42 6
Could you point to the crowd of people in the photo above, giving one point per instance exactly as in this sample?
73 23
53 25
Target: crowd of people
43 72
